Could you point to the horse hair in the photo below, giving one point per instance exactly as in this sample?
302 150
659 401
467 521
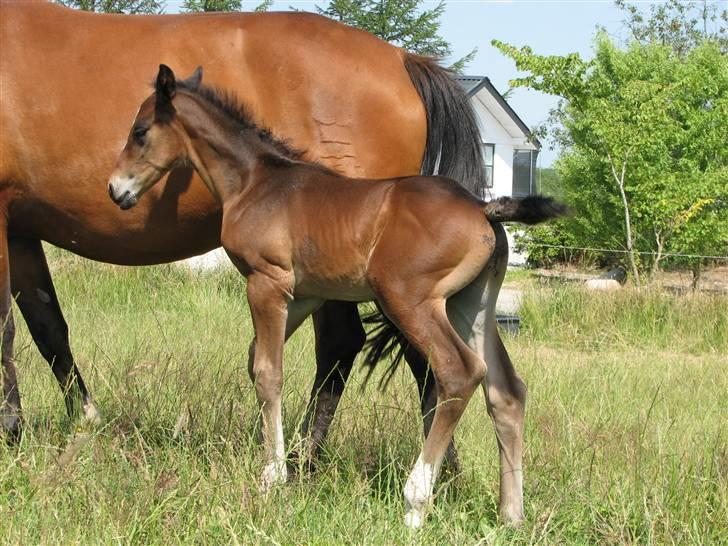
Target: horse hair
228 104
453 136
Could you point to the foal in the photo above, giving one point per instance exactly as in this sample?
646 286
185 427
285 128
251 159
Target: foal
303 234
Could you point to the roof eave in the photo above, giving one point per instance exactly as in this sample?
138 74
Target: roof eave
488 85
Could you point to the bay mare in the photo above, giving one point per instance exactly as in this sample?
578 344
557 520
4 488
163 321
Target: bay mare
70 86
413 244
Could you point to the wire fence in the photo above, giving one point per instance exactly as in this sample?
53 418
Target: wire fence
623 251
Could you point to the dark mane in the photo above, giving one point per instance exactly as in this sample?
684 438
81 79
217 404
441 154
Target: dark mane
233 109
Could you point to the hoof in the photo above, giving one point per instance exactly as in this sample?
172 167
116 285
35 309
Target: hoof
512 517
414 519
13 427
452 461
298 462
91 415
273 474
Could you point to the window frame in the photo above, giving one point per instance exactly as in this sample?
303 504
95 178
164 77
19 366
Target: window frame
490 166
532 158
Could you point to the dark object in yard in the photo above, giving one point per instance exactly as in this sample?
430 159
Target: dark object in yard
615 274
509 323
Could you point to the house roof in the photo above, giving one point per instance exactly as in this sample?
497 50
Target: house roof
473 85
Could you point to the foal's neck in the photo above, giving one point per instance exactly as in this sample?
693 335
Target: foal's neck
226 155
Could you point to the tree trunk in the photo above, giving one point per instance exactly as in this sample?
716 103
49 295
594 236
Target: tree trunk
658 256
627 219
696 269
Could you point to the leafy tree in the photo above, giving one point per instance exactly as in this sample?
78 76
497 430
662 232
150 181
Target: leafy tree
116 6
221 5
401 22
678 24
643 135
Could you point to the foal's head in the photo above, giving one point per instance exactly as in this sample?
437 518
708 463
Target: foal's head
157 141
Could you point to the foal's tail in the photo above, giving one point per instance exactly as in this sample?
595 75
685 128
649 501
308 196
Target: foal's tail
452 150
527 210
453 137
385 340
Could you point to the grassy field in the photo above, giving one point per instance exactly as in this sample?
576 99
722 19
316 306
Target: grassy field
626 435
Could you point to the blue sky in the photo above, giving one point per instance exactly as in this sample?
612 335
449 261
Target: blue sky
552 27
548 27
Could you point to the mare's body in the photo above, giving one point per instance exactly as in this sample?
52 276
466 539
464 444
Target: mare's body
410 243
70 85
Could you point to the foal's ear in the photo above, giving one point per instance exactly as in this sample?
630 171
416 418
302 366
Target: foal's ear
194 81
166 88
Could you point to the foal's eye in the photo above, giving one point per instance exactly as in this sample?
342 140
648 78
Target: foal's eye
139 133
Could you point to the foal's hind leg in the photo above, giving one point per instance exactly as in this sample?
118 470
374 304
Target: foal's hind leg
427 388
457 370
472 313
10 419
505 394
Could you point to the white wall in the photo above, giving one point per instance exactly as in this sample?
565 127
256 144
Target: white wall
492 132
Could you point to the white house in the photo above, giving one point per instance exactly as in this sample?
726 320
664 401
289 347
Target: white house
509 148
509 152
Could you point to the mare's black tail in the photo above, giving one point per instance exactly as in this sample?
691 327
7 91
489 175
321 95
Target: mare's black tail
453 136
452 150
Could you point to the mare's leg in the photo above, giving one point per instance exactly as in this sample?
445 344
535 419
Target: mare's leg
10 410
472 313
427 387
339 338
36 297
457 370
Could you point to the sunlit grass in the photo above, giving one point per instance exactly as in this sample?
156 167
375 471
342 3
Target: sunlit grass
626 437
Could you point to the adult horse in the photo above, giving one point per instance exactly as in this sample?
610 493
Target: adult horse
70 79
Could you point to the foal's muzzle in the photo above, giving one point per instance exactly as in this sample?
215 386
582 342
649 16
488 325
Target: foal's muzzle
124 198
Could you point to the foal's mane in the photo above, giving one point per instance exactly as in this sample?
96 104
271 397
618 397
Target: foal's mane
227 103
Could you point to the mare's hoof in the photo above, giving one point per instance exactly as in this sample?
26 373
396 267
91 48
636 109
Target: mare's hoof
91 415
300 464
13 427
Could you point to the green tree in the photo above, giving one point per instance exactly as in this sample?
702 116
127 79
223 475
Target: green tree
401 22
678 24
221 5
643 133
116 6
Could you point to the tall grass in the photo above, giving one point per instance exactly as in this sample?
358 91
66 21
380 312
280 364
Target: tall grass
625 436
693 323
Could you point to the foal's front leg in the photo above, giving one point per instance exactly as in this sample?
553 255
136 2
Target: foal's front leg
268 299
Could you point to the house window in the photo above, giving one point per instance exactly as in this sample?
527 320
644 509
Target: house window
524 171
488 158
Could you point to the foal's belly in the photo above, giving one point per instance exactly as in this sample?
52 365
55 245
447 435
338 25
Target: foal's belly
345 286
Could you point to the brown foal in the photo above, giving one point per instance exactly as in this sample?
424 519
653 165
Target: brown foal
419 246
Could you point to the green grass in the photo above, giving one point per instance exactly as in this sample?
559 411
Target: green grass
626 438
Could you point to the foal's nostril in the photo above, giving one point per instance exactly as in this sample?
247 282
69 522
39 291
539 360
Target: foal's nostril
111 192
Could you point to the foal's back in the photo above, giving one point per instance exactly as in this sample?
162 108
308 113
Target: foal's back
346 234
